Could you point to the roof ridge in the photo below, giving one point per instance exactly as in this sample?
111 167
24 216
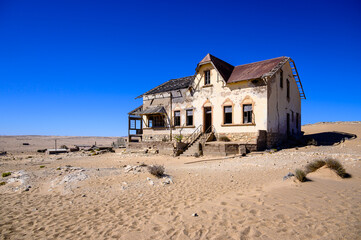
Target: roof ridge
260 61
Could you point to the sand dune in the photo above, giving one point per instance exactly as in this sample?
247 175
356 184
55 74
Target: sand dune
239 198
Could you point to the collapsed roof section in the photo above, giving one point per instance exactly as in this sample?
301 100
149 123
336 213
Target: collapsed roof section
171 85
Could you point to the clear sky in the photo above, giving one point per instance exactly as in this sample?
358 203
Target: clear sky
75 67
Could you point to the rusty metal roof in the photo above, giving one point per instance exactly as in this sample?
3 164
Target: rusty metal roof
239 73
254 70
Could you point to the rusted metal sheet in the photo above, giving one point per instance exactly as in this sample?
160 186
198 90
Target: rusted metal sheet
253 70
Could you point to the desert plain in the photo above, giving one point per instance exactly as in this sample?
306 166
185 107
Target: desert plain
81 195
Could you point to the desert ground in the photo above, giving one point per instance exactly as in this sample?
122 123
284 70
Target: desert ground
112 196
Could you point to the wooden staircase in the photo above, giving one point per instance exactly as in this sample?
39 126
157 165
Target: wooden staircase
197 139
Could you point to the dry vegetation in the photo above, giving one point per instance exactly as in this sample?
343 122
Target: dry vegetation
156 170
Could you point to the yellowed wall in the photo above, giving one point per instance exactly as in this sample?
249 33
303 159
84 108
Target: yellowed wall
279 105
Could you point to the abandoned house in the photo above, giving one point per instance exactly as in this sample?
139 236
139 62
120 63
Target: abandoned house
221 108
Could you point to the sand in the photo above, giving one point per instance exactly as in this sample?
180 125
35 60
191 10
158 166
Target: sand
76 196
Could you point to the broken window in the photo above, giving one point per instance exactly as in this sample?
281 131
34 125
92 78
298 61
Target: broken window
177 118
189 114
288 88
227 114
156 121
207 77
247 113
281 78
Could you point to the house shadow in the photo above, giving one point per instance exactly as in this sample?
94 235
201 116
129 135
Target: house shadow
318 139
329 138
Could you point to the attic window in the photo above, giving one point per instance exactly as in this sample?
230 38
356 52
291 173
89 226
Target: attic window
207 77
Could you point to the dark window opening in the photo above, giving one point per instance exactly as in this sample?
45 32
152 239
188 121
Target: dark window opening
247 113
281 79
177 118
288 125
297 121
227 114
288 88
207 77
189 114
293 116
156 121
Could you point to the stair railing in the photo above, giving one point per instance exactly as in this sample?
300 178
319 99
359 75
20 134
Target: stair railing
208 133
194 136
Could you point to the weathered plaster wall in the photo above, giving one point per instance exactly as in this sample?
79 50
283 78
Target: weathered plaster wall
219 94
279 105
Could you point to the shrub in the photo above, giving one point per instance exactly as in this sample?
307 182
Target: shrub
156 170
58 168
313 166
2 183
5 174
337 167
224 139
42 166
64 146
179 138
300 175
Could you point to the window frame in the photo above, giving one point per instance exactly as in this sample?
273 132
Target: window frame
156 120
224 114
248 116
176 117
187 119
288 88
207 77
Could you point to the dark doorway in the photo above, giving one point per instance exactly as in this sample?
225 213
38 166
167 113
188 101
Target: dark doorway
207 119
288 125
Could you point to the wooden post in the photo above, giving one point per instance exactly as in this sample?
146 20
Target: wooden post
171 117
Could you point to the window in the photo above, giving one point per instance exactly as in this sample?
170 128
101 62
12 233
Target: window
281 78
207 77
189 118
247 113
288 88
227 115
297 120
292 115
156 121
177 118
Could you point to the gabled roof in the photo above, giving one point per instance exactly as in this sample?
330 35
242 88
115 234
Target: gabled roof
254 70
244 72
171 85
224 68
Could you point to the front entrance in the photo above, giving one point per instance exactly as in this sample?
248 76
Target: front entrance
207 119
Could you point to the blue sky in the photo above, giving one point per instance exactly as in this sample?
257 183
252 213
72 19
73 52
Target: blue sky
75 67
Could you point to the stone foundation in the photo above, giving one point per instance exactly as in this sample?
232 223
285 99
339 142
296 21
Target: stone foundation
275 139
166 148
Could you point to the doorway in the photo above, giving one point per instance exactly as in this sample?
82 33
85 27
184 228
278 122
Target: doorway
207 119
